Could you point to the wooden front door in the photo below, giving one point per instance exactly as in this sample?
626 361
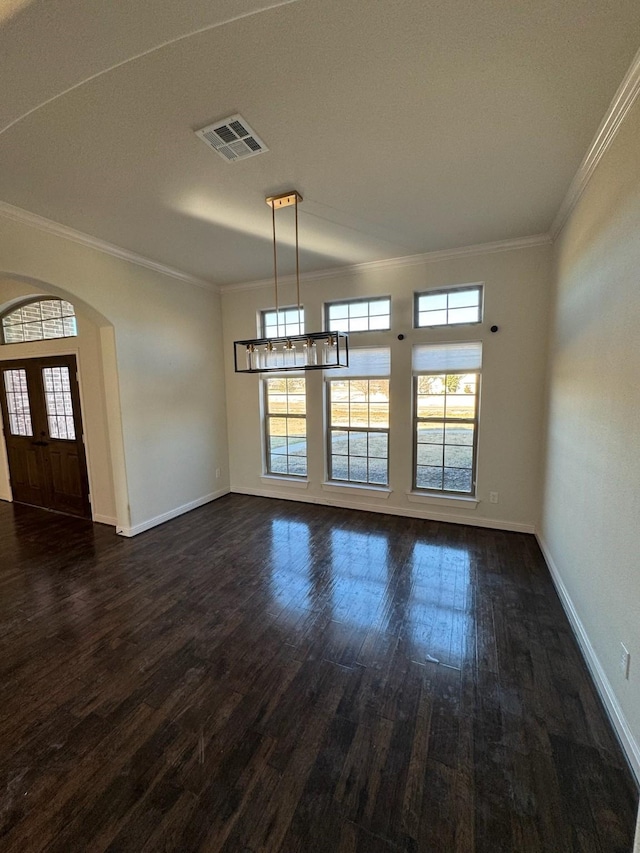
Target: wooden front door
43 433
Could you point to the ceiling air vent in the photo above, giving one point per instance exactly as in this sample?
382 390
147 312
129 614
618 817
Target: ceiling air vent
232 139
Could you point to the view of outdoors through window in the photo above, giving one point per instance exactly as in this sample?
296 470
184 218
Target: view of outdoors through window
449 307
359 430
286 425
17 400
39 321
446 417
445 401
57 395
285 322
361 315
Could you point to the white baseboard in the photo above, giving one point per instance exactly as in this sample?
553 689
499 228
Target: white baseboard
425 513
602 683
172 513
105 519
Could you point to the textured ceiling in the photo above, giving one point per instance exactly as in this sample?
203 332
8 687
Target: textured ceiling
408 127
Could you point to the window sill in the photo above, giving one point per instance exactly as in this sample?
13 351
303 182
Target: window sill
443 500
281 480
363 490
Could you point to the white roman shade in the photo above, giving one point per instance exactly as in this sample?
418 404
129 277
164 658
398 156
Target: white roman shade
447 358
363 362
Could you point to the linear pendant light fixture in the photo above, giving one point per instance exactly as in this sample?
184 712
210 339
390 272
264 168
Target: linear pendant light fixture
310 351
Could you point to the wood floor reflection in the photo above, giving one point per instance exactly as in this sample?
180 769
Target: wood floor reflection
263 675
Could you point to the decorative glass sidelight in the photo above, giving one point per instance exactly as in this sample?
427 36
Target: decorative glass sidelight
18 407
57 395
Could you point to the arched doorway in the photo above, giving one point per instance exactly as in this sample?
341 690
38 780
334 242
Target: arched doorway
92 355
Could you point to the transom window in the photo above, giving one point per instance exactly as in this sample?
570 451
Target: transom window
43 320
359 419
285 405
285 321
358 315
449 307
446 386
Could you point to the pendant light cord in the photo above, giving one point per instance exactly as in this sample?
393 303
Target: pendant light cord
298 268
275 264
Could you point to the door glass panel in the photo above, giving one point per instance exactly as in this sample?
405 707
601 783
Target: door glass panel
57 395
15 383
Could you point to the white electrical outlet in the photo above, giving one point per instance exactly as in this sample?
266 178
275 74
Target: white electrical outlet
625 660
217 473
493 497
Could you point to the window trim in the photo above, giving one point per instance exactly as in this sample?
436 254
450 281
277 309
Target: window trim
330 481
456 499
267 472
368 490
360 299
421 490
292 481
33 300
478 285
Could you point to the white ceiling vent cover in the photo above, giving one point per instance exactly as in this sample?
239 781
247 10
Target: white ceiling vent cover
232 139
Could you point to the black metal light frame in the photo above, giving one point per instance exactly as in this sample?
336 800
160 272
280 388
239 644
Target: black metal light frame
241 352
271 351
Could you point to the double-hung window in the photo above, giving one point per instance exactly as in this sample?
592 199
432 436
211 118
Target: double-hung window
285 410
446 392
358 418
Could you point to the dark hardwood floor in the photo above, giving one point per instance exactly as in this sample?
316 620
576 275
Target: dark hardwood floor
263 675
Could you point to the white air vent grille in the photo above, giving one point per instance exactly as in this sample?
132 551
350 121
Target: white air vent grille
232 139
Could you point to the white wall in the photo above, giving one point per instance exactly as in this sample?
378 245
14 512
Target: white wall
88 351
591 516
516 299
167 380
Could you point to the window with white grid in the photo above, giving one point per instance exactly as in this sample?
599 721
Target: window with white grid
451 306
358 315
280 323
446 391
358 418
285 421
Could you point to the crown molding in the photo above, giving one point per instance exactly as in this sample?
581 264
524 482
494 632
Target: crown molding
622 102
393 263
17 214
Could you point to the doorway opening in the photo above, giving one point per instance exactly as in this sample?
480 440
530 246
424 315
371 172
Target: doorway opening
43 432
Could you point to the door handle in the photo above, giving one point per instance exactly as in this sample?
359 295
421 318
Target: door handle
40 443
